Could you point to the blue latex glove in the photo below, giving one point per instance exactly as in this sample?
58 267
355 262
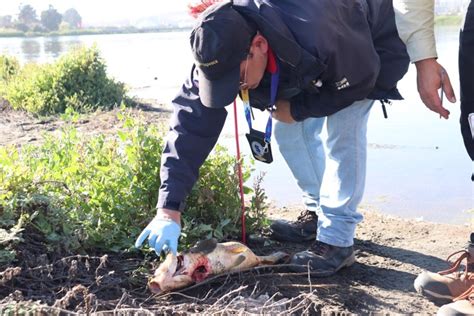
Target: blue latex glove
162 235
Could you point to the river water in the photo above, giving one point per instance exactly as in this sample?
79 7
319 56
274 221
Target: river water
417 165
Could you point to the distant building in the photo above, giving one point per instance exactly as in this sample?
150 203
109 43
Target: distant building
450 7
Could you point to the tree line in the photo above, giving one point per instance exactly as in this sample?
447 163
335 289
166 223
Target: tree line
48 20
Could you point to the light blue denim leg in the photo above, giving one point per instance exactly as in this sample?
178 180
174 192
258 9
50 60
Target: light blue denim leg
332 179
301 146
344 177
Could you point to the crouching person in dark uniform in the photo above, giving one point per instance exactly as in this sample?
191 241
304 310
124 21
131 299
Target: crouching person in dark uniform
309 62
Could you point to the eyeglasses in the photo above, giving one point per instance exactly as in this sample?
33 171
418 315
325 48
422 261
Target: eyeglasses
243 85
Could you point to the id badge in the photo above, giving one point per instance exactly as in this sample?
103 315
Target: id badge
261 150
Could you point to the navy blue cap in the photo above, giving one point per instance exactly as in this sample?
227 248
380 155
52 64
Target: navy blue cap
220 41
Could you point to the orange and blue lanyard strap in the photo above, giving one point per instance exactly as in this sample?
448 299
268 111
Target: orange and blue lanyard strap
274 70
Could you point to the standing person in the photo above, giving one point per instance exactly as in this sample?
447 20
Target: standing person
415 21
308 62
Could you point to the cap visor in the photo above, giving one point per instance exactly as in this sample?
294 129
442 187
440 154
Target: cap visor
220 92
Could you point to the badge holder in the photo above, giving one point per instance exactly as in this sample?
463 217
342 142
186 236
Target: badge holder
261 149
259 142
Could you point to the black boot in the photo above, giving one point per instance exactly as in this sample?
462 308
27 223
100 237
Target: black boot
303 229
323 259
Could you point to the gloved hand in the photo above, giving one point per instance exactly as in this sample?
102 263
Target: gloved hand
162 235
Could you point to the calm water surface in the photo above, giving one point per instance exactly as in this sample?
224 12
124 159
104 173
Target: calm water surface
417 165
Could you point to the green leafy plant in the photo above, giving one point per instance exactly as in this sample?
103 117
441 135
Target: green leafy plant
256 217
9 67
100 192
214 206
77 80
90 192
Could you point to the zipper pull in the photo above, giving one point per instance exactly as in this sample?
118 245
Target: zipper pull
384 109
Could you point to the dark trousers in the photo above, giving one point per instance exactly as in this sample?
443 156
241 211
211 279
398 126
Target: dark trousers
466 78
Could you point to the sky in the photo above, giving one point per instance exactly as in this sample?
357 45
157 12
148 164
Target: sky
103 11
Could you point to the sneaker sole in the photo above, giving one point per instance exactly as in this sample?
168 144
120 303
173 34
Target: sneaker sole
432 296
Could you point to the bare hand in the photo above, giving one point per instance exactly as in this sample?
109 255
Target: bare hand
283 112
430 77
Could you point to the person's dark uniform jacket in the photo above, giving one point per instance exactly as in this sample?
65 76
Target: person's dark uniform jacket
352 47
466 80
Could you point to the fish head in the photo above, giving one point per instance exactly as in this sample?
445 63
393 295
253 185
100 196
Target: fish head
180 271
169 276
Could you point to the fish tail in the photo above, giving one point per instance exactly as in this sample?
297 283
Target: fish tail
275 258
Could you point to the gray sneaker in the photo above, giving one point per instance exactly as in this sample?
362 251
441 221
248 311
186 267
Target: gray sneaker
323 259
445 286
303 229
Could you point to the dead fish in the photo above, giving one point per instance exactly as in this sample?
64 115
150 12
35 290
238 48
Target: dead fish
206 258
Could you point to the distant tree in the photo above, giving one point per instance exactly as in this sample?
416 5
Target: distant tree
51 19
39 28
73 18
6 21
64 26
27 15
21 27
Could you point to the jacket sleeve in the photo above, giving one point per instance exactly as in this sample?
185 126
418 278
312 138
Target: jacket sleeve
194 130
415 24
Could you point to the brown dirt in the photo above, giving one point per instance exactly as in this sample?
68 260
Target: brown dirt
18 128
391 252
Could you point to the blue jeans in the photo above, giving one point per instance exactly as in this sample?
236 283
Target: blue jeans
330 172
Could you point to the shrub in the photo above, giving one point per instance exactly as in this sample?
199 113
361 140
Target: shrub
83 192
78 80
9 67
213 207
99 193
9 32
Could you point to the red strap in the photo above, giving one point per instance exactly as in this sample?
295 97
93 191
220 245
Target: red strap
239 170
271 64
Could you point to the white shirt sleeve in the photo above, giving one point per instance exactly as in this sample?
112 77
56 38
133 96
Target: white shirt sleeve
415 24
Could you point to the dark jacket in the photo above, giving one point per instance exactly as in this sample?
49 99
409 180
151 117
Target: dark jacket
351 46
466 79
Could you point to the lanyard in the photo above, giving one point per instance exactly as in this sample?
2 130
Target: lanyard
273 93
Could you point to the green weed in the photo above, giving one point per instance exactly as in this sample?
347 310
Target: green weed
98 193
77 80
9 67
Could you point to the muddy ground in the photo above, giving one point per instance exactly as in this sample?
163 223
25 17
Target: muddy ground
18 128
391 252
